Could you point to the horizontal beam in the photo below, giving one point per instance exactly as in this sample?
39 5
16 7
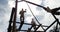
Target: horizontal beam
31 24
19 1
33 3
31 31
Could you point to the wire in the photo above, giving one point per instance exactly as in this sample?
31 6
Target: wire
32 13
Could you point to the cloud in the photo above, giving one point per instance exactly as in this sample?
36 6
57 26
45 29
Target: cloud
4 15
43 3
48 18
3 2
53 3
5 11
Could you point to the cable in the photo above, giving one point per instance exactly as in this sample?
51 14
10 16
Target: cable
32 13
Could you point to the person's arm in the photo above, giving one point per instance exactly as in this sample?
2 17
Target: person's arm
25 10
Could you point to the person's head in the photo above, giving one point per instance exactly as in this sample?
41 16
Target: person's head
22 9
32 18
13 8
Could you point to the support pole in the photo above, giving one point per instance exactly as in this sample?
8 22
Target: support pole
11 18
14 20
56 27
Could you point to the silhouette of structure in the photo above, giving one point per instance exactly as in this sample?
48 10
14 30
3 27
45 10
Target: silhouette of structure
12 28
53 11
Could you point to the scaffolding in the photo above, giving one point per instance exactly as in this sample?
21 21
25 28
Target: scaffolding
12 28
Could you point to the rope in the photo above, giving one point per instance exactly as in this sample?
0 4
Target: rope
32 13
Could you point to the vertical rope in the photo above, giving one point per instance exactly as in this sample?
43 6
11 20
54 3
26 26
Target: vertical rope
32 13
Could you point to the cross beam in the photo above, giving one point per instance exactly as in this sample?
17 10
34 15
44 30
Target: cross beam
32 3
53 22
31 31
31 24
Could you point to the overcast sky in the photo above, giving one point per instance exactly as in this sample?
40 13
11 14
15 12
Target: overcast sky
43 17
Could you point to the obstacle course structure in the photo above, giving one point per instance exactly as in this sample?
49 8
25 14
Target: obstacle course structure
12 28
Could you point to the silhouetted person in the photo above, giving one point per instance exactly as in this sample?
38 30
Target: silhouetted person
53 11
22 15
21 18
33 24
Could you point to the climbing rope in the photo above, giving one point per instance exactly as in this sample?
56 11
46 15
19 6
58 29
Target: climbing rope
32 13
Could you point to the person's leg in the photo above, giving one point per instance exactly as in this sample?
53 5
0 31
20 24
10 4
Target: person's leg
21 24
57 13
20 27
23 18
20 18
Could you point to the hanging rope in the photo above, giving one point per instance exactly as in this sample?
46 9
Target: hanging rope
32 13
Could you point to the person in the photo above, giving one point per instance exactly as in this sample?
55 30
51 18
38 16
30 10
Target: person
22 14
21 18
33 23
53 11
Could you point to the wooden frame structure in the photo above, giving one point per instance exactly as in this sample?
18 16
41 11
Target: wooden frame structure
13 20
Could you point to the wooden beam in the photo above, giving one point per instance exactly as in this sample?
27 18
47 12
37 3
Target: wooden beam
31 31
31 24
14 20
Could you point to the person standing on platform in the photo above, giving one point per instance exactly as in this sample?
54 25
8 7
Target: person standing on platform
21 18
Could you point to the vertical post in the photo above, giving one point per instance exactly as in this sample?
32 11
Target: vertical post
14 20
10 21
56 27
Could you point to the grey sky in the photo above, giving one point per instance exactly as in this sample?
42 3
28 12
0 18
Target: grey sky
4 15
5 11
